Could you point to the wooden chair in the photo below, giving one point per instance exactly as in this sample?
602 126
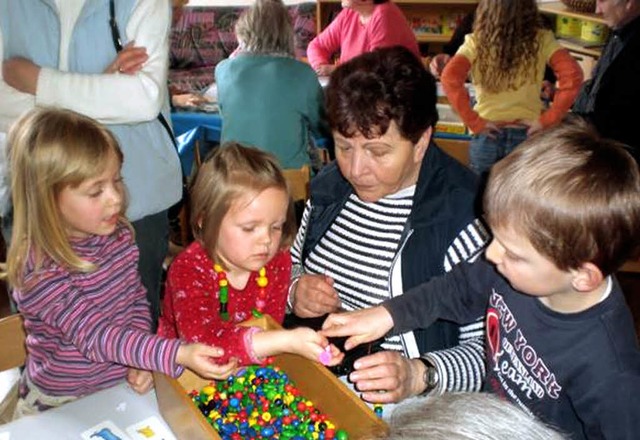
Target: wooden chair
298 180
13 352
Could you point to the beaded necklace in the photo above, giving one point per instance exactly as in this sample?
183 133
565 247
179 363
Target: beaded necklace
223 292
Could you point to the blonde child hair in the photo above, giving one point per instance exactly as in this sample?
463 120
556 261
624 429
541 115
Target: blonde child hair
229 172
49 150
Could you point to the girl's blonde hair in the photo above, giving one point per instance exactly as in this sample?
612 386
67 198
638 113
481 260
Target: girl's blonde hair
229 173
50 149
506 35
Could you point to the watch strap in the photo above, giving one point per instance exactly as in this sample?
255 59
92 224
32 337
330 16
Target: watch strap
430 377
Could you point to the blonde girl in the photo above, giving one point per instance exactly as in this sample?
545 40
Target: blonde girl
239 265
506 55
73 266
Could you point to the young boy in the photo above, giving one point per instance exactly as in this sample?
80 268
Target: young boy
565 213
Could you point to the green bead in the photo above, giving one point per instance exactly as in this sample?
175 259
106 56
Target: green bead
341 434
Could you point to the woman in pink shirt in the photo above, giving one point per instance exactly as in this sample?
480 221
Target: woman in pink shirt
361 26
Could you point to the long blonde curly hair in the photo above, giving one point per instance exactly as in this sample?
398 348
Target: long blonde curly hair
507 45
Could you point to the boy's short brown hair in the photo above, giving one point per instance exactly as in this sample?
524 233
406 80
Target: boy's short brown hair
228 173
573 194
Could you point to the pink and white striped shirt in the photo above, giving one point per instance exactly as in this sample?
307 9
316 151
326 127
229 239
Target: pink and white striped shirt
85 329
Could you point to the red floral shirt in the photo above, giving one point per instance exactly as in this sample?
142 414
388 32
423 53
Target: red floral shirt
191 308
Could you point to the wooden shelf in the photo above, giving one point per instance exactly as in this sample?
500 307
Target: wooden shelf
558 8
576 46
432 38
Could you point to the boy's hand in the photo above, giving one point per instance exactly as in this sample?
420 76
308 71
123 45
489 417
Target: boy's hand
314 295
361 326
197 357
140 381
312 345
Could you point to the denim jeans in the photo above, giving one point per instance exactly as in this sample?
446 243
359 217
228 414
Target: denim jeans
485 151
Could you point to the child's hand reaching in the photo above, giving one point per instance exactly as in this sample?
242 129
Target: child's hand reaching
302 341
311 344
140 381
361 326
197 357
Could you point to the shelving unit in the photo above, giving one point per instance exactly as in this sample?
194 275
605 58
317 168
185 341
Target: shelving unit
327 9
574 45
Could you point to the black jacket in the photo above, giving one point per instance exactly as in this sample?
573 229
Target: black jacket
444 204
615 113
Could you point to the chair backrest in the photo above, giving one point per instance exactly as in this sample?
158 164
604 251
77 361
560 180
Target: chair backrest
298 180
13 351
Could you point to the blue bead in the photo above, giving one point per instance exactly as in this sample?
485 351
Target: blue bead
267 431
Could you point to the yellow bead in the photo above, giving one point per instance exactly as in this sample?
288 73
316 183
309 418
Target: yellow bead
209 390
223 396
262 281
315 435
217 268
266 416
223 283
262 272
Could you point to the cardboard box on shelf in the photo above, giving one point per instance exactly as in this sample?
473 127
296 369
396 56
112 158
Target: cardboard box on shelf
449 122
315 382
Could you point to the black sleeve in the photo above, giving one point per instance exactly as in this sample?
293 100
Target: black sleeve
459 296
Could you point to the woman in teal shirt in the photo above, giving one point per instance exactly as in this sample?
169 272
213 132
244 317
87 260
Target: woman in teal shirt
267 98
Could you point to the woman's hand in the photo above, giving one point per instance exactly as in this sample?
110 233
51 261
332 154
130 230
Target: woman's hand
188 100
361 326
197 357
140 381
129 60
21 74
314 295
387 376
325 69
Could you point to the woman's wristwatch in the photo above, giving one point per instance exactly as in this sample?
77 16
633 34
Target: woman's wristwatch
430 377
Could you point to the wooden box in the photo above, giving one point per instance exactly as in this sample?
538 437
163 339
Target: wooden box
345 409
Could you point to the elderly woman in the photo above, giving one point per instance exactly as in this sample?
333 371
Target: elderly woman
361 26
268 98
393 212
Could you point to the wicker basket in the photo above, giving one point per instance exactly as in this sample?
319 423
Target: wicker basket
581 5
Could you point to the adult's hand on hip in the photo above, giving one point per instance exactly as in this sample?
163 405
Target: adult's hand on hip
314 295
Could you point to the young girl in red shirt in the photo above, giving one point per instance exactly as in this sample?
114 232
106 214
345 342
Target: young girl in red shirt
239 265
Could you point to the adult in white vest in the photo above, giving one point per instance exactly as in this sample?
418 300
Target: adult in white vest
63 53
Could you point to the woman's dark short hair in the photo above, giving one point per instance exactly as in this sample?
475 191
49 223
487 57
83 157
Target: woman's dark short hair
391 84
